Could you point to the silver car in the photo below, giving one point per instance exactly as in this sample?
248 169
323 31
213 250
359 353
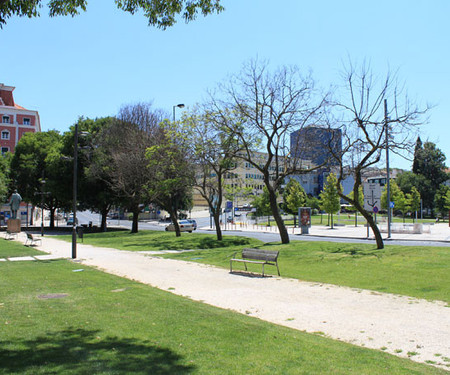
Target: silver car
185 226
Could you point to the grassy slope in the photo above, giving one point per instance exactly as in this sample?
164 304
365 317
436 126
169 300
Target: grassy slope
110 325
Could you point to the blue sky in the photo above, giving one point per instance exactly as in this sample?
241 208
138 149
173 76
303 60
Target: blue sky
94 63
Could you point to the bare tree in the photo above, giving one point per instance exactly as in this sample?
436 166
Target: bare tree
214 150
360 114
267 108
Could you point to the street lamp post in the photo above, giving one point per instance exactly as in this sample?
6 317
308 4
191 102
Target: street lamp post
75 182
176 106
75 173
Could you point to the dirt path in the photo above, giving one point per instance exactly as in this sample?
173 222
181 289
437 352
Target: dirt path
402 326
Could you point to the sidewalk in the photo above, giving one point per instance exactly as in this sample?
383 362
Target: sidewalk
398 324
439 232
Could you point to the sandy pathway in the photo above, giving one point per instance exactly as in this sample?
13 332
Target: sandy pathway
398 324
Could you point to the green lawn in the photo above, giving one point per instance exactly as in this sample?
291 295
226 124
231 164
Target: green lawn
103 324
10 248
159 240
422 272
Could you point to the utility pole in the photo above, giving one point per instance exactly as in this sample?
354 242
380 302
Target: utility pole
386 124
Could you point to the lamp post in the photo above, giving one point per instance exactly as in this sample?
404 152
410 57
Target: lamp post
74 208
176 106
75 175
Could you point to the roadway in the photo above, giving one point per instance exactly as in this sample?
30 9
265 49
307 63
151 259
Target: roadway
439 235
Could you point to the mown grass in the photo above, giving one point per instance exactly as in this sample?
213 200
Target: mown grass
422 272
103 324
146 240
16 249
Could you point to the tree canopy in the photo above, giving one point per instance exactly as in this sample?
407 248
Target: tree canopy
159 13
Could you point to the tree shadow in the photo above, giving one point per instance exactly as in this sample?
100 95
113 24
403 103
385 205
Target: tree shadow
84 351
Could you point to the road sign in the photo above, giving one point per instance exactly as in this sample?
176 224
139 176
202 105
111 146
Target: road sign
392 205
372 195
375 209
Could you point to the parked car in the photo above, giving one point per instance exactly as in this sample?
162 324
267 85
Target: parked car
193 222
185 226
70 220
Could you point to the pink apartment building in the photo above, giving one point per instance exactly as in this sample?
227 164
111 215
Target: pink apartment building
15 120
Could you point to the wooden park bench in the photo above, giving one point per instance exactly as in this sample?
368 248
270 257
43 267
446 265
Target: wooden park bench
10 235
32 240
256 256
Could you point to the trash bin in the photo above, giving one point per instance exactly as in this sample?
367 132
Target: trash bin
80 233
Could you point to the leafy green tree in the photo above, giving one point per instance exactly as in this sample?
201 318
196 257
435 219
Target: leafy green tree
329 197
125 141
294 196
429 162
174 173
5 162
416 168
159 13
262 203
442 200
36 167
313 202
397 196
95 190
413 199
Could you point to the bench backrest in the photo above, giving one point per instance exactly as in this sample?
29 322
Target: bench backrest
257 254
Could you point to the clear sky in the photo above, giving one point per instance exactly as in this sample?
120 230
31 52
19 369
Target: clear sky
94 63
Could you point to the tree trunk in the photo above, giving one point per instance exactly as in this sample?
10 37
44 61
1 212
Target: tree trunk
104 212
331 220
174 218
367 216
217 223
52 218
277 216
31 215
134 226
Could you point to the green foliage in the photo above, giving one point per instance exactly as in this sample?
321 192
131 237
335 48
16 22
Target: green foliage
37 158
413 199
397 196
329 198
162 14
429 162
442 200
5 162
171 185
294 196
262 203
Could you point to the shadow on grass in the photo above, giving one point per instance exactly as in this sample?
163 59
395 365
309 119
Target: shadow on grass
83 351
185 243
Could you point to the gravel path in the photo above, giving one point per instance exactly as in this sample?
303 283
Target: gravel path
402 326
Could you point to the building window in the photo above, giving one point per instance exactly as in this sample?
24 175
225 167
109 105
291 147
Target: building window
5 150
6 119
26 121
5 134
